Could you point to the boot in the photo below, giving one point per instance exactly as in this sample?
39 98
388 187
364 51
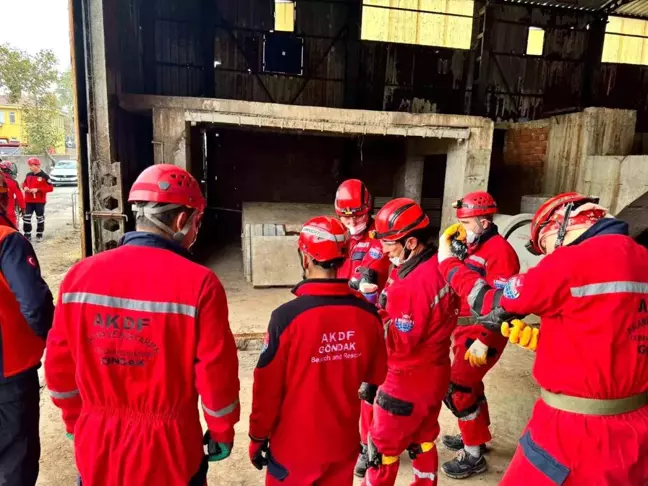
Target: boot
464 465
455 443
361 465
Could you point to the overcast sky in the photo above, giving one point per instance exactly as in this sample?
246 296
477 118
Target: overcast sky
33 25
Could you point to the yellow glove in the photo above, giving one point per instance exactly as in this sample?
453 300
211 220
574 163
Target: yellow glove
445 242
476 354
454 229
521 334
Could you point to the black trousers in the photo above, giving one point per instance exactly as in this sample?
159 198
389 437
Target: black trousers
39 209
19 440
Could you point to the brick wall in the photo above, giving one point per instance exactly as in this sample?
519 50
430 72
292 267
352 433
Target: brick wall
518 167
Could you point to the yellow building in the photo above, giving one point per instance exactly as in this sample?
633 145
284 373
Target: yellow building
11 126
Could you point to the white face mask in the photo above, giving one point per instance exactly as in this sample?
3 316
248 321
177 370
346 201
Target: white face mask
471 237
357 229
396 261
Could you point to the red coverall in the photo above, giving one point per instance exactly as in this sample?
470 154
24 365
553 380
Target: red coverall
422 313
318 350
494 259
15 196
40 181
367 253
128 356
366 411
592 344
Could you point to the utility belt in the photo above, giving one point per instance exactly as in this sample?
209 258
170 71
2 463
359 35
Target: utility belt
594 406
466 321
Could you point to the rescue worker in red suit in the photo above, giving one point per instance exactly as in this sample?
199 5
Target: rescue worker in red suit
475 348
421 315
37 185
140 332
366 262
590 425
15 194
366 267
26 310
319 348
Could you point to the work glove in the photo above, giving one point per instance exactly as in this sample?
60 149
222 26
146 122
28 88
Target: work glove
453 242
476 354
258 452
216 451
518 332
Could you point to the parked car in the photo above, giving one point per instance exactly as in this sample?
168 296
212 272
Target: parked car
64 172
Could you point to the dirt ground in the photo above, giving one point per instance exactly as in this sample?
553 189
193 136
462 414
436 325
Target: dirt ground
510 388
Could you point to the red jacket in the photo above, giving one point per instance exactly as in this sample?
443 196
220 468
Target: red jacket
40 181
140 332
422 313
592 297
495 260
15 196
319 348
365 252
26 305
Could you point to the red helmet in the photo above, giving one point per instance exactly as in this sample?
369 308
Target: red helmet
34 161
549 218
6 167
352 199
324 239
167 184
478 203
398 218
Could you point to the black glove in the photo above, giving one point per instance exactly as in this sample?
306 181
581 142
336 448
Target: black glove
367 392
494 319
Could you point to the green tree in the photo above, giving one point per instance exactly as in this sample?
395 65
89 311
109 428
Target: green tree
32 81
66 100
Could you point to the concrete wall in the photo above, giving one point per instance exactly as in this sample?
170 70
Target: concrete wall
617 180
47 161
574 137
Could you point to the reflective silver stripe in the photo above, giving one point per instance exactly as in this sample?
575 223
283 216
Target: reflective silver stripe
223 411
474 292
63 395
610 288
478 259
423 475
323 234
129 304
470 417
442 293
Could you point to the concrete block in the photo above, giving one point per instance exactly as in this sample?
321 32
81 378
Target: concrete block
274 261
531 203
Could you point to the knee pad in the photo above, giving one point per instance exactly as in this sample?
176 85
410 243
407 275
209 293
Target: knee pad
464 407
415 450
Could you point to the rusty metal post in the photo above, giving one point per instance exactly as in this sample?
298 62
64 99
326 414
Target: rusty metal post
106 213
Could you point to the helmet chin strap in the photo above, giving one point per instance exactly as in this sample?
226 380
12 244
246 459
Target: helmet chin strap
562 231
151 210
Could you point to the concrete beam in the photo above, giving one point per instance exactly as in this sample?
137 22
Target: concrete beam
170 137
310 118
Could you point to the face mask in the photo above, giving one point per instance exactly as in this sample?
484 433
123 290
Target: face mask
471 237
357 229
396 261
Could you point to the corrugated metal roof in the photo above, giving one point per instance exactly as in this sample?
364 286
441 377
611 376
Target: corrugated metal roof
579 5
637 8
